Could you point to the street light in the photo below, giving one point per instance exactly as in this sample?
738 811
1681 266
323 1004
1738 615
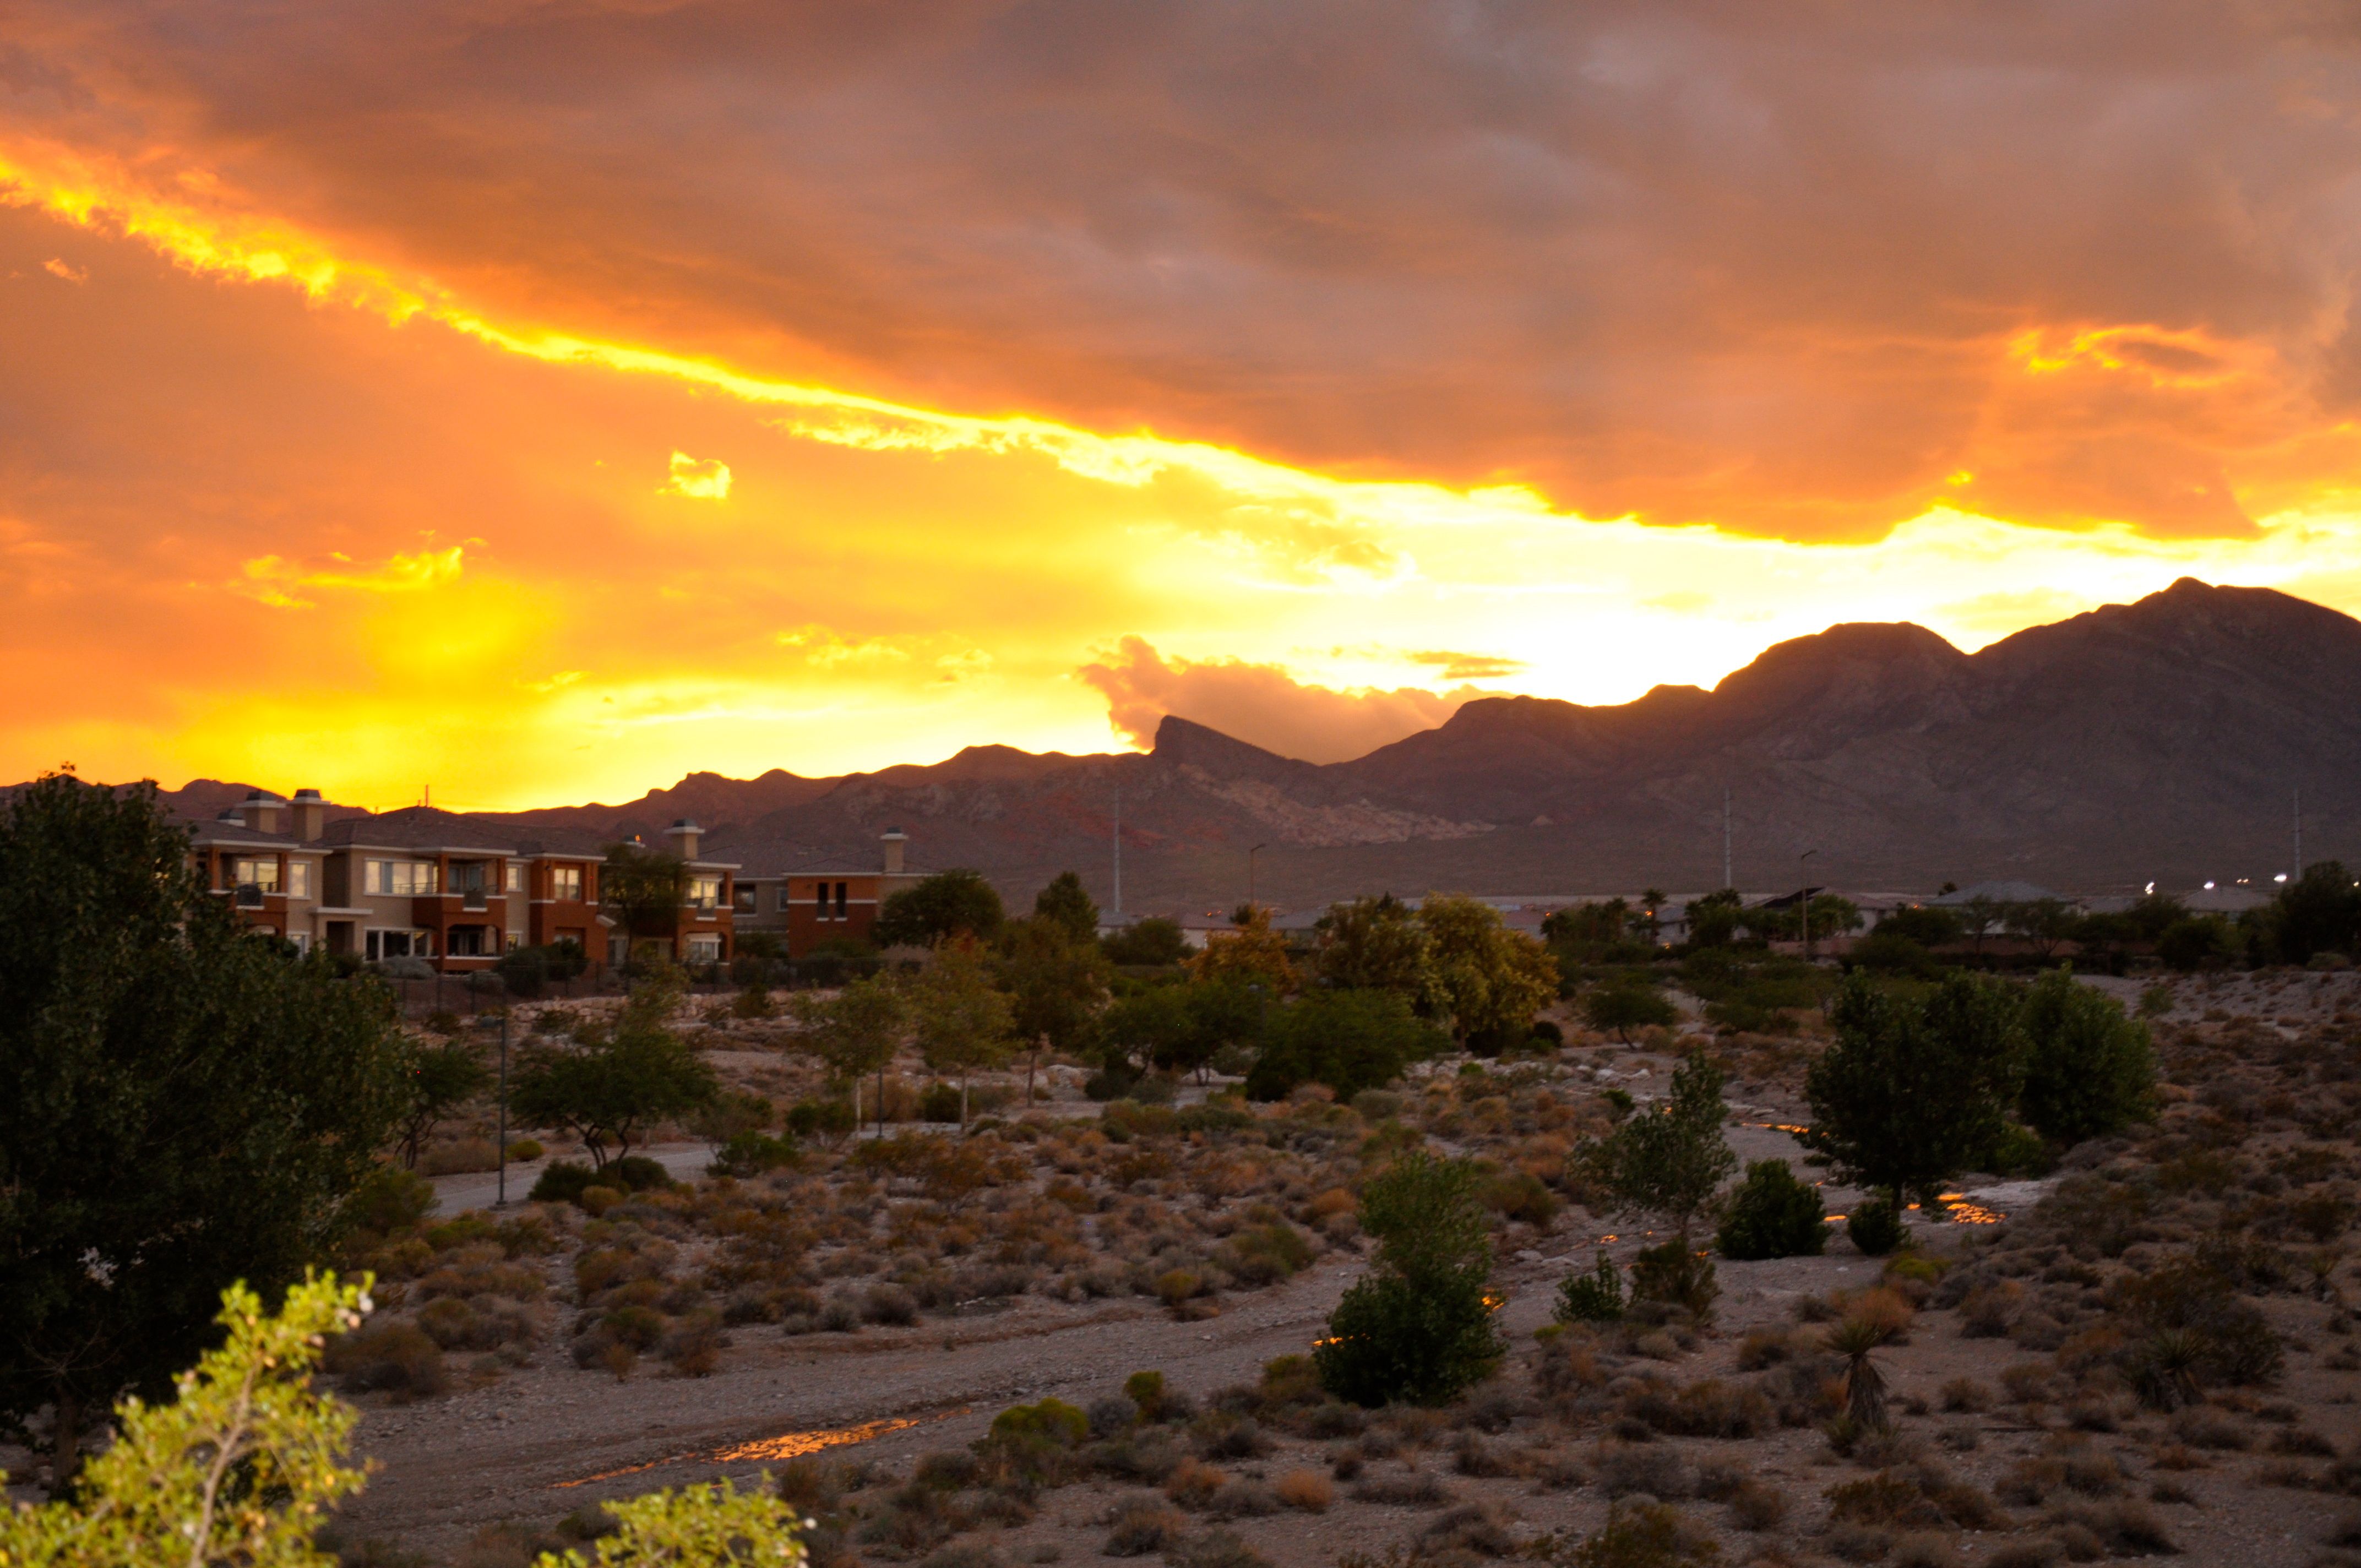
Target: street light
502 1201
1806 896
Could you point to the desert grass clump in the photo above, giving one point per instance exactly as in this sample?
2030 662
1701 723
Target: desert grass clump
1306 1490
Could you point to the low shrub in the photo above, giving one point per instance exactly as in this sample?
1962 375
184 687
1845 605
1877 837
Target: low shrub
636 1173
1143 1526
1875 1228
1677 1274
563 1181
749 1153
1774 1213
525 1150
1306 1489
1593 1298
394 1358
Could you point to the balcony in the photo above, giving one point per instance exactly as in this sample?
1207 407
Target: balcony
474 898
249 895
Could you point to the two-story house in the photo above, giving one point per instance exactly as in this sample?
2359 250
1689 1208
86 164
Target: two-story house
811 897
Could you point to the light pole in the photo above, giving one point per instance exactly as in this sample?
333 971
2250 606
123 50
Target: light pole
502 1201
1258 849
1806 896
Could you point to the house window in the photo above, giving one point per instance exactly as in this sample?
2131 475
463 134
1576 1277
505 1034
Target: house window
467 942
299 879
743 900
515 879
398 879
260 872
704 892
841 889
395 945
784 900
566 882
302 940
706 949
819 901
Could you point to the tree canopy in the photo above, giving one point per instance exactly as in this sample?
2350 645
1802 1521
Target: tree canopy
1251 953
183 1104
958 902
608 1085
2088 1069
962 1021
855 1031
1669 1157
1349 1040
1489 981
1913 1092
644 887
1066 904
1378 943
1418 1325
1153 941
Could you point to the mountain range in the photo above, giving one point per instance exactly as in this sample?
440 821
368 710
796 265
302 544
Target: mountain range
2163 740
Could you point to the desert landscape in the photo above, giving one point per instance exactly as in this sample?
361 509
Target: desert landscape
855 1328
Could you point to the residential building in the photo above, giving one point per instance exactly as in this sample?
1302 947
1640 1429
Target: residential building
253 856
810 898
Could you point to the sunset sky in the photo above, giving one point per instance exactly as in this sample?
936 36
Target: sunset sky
542 399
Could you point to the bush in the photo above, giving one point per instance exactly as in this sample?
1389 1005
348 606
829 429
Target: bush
1418 1326
1520 1195
1349 1040
1593 1298
389 1199
939 1103
526 1149
1875 1228
563 1181
1774 1213
397 1358
1677 1274
1621 1006
636 1173
827 1120
2089 1068
751 1154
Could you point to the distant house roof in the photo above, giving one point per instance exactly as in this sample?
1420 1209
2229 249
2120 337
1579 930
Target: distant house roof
421 828
1996 893
2233 899
229 830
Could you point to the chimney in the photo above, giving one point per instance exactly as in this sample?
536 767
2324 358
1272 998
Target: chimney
260 811
311 815
895 840
684 836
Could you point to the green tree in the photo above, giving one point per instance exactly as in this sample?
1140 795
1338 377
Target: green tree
1418 1325
1774 1213
2047 923
1055 986
182 1103
241 1469
962 1021
608 1084
1378 943
1713 919
1668 1157
1489 981
2200 941
957 903
855 1032
1154 941
1625 1003
2088 1068
1152 1026
1349 1040
2319 912
1251 953
1927 924
1067 904
1913 1092
440 1080
645 888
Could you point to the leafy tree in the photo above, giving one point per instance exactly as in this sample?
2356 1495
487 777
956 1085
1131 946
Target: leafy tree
242 1468
1251 954
855 1032
1349 1040
950 904
1669 1157
1890 952
441 1078
962 1021
1055 986
2200 941
2319 912
1929 925
183 1104
1713 919
1774 1213
2088 1068
1066 903
645 888
1153 1025
1489 981
1418 1325
1585 925
2047 923
1153 941
1625 1003
607 1085
2153 916
1913 1091
1378 943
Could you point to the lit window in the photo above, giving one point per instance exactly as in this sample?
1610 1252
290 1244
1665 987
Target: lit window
516 876
565 881
299 879
261 871
705 949
398 879
704 892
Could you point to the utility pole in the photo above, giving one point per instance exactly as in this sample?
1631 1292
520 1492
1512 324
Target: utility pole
1806 907
1727 879
502 1201
2299 834
1258 849
1118 850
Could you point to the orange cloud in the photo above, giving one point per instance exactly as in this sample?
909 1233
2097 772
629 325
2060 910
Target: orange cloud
1259 704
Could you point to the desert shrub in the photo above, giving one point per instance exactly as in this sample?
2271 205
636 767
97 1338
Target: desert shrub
1965 1396
1520 1195
1593 1298
1677 1274
1147 1394
636 1173
525 1150
389 1199
1403 1489
1646 1536
2187 1324
1875 1228
1418 1325
829 1121
1708 1408
1215 1549
1306 1489
1267 1254
396 1358
1773 1214
1655 1468
751 1153
1142 1525
1477 1528
563 1181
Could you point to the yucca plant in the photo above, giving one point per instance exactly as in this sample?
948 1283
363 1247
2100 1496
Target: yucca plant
2163 1370
1865 1385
